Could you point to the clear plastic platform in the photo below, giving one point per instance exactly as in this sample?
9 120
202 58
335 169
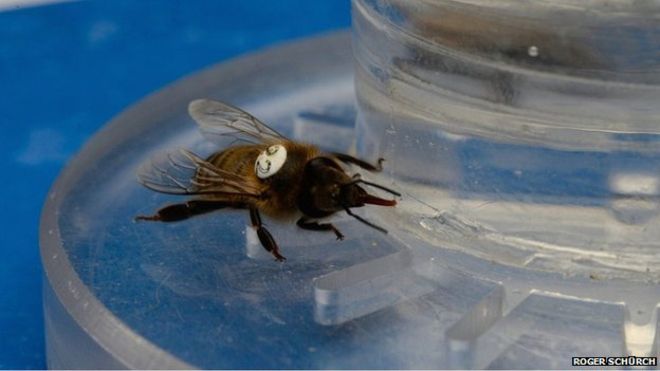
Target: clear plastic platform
203 293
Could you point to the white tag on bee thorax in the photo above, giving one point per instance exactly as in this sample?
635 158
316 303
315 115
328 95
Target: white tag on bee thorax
270 161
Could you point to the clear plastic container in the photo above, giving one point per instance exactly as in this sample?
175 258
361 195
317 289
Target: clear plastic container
526 135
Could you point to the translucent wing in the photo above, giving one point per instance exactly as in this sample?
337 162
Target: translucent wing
223 123
184 173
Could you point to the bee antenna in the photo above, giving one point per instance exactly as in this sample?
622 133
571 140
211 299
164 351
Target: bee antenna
379 187
372 225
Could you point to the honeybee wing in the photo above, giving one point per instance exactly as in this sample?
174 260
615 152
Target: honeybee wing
223 123
185 173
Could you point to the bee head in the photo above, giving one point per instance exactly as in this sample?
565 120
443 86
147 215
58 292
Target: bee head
327 189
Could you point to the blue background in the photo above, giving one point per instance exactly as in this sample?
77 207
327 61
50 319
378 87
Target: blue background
66 69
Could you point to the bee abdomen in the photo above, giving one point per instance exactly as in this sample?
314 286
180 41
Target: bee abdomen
237 160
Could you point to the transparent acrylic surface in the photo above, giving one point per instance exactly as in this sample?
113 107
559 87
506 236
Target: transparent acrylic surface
203 293
525 135
457 282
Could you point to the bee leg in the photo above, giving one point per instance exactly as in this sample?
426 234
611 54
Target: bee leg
266 239
182 211
356 161
309 225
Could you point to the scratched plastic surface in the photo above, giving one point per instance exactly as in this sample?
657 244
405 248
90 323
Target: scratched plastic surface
443 289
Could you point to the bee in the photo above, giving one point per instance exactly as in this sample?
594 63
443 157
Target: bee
261 171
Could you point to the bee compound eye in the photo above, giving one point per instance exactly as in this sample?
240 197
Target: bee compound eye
270 161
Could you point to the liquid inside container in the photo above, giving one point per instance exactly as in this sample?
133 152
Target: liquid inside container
525 234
